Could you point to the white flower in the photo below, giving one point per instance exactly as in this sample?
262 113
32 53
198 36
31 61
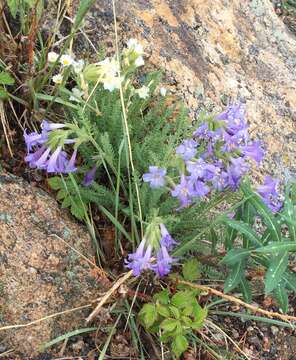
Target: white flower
78 66
52 56
163 91
143 92
139 61
134 45
57 79
112 82
109 67
77 95
66 60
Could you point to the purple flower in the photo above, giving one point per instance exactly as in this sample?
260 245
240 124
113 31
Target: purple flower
166 239
187 149
89 176
216 135
47 126
140 260
232 178
200 188
55 164
70 167
155 177
201 131
253 151
183 192
32 139
234 117
269 193
163 263
220 181
31 158
41 162
239 167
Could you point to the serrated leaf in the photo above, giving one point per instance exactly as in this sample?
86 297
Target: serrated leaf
77 210
277 267
235 277
191 270
169 325
66 202
244 229
179 345
234 256
163 310
163 297
55 183
246 290
277 247
200 314
6 78
281 296
148 315
175 312
61 194
182 299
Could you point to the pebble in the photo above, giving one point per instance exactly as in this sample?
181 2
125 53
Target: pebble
274 330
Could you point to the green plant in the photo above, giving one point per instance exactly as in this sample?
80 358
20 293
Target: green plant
175 315
266 244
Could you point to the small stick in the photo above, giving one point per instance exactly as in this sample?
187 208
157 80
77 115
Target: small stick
240 302
115 286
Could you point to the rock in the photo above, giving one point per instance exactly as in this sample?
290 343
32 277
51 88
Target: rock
39 274
213 52
274 330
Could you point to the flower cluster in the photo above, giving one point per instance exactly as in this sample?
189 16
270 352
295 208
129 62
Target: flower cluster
269 193
41 156
153 254
215 158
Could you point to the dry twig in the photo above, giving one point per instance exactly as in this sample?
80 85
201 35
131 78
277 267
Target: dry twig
235 300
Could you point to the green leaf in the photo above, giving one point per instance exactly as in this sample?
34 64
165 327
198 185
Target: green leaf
148 315
191 270
55 183
6 78
84 6
66 202
179 345
281 296
200 314
163 297
13 7
231 232
235 277
182 299
61 194
246 290
244 229
163 310
77 210
175 312
277 267
3 93
263 211
290 280
289 213
168 325
234 256
277 247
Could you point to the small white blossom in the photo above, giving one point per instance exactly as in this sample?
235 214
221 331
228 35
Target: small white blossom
134 45
163 91
109 67
78 66
52 56
66 60
112 82
77 95
139 61
143 92
57 79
